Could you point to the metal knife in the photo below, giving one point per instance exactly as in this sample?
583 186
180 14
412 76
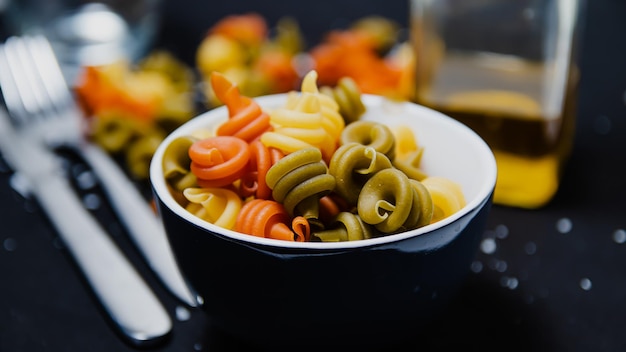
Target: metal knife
123 293
142 223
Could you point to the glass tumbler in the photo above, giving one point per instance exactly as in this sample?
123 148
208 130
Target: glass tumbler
509 70
88 32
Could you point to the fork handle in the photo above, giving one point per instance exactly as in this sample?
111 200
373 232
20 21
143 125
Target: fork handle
123 293
140 220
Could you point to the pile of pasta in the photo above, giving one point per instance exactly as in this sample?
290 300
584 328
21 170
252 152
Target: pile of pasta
130 109
303 172
243 48
262 61
371 52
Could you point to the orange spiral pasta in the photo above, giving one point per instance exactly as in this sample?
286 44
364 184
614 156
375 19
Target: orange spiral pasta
269 219
330 205
246 118
261 160
219 161
301 228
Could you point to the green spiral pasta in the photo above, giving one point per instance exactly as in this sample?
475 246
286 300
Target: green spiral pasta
410 165
390 202
346 227
371 134
140 152
133 141
427 203
113 130
176 164
348 96
352 165
298 181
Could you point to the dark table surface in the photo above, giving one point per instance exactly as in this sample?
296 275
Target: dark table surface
552 279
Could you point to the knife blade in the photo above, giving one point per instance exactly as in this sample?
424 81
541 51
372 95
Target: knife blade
142 223
124 295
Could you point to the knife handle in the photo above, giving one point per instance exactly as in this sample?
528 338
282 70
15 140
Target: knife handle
140 220
123 293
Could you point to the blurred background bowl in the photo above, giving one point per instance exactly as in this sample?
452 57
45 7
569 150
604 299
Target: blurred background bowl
373 292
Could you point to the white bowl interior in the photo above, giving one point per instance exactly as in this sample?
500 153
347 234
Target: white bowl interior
452 150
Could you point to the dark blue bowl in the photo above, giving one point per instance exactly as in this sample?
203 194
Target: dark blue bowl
375 292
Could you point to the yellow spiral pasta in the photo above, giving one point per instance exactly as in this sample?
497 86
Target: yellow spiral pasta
332 121
408 154
447 196
406 143
296 126
176 164
219 206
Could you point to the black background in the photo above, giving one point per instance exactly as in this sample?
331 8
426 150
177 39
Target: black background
529 294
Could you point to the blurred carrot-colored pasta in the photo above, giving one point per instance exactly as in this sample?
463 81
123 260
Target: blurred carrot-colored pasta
248 29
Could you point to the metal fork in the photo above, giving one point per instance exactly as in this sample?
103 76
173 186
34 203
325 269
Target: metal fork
124 295
48 107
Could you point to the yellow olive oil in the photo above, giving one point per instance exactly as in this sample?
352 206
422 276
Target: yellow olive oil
527 121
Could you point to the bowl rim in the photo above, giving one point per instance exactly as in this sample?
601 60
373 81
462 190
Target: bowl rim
161 190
